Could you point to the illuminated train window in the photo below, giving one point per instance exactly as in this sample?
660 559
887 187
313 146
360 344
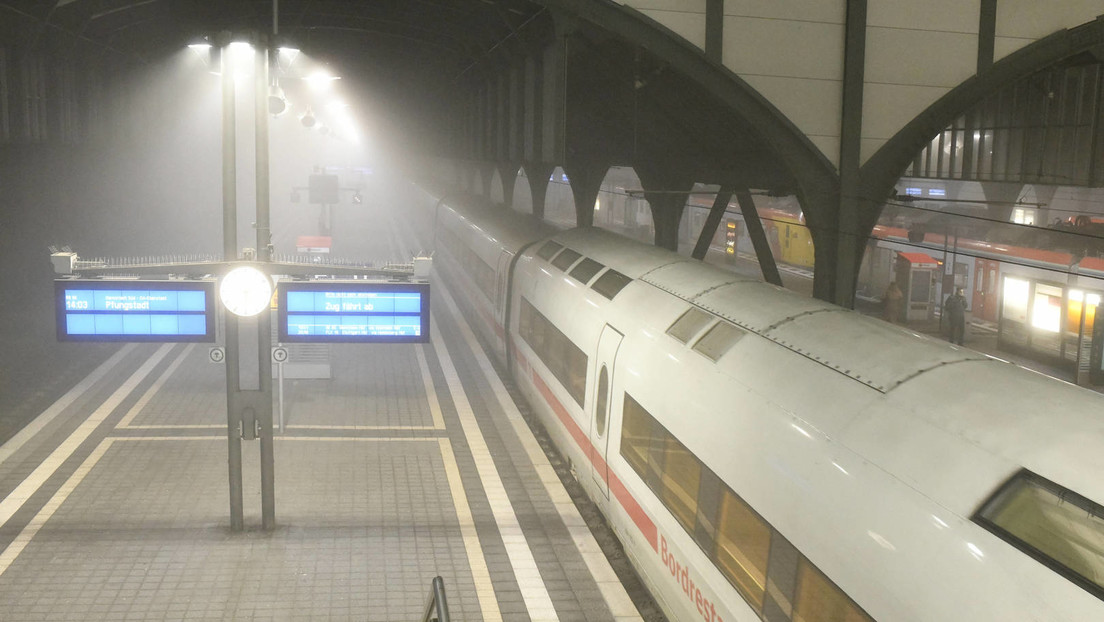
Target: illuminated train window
689 324
768 572
1055 525
548 250
564 260
586 270
610 283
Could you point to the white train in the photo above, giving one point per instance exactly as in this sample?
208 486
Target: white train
765 456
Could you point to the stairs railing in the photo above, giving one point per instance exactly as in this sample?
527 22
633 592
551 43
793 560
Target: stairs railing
436 609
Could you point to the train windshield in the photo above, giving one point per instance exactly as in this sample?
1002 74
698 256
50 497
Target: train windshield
1056 526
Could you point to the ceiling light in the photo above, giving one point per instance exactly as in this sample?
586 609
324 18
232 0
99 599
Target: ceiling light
308 119
277 101
320 80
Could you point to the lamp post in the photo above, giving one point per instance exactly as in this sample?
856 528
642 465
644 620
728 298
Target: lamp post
245 291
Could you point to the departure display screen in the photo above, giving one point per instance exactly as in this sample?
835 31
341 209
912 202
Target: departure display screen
131 310
353 311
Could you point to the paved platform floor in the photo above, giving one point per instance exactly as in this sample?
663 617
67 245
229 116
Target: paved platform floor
408 463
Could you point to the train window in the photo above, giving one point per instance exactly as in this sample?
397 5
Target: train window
610 283
656 452
742 546
1056 526
819 600
689 324
781 579
562 357
549 249
680 480
718 340
564 260
586 270
709 501
575 361
636 435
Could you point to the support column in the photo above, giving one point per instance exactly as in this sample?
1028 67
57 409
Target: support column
987 34
230 253
1003 196
714 29
758 238
586 179
720 204
508 174
264 328
538 174
847 242
666 192
486 176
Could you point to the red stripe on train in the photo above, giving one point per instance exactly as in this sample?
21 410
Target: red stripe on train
624 497
620 492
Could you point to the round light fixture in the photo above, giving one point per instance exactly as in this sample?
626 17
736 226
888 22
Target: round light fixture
277 101
245 291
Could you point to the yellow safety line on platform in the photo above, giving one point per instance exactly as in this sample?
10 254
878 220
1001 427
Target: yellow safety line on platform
154 388
481 575
178 426
613 591
533 590
16 442
481 578
361 428
24 538
430 391
29 486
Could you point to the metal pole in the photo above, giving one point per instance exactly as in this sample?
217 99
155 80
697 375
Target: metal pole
264 321
230 253
280 372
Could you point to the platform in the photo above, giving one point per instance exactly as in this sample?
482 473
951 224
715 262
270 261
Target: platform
410 462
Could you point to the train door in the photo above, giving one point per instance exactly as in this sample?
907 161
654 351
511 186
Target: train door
985 290
608 344
502 290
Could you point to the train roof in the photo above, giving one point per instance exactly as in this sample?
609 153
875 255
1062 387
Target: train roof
511 229
861 348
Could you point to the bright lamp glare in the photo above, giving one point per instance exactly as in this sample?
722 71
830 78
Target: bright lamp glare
245 291
320 81
199 47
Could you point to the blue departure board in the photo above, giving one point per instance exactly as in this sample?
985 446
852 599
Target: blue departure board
131 310
353 311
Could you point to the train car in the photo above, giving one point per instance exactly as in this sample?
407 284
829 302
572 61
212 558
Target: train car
766 456
478 262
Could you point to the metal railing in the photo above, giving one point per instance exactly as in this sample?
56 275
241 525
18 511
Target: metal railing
436 610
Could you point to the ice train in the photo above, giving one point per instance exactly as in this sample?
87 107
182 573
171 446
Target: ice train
765 456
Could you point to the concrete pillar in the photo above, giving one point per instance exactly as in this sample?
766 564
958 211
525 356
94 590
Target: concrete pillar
507 172
1003 196
666 191
538 174
486 176
586 179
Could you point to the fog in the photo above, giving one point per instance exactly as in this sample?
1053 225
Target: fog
147 182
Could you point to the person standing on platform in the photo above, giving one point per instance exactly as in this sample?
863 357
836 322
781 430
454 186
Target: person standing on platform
891 311
955 308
